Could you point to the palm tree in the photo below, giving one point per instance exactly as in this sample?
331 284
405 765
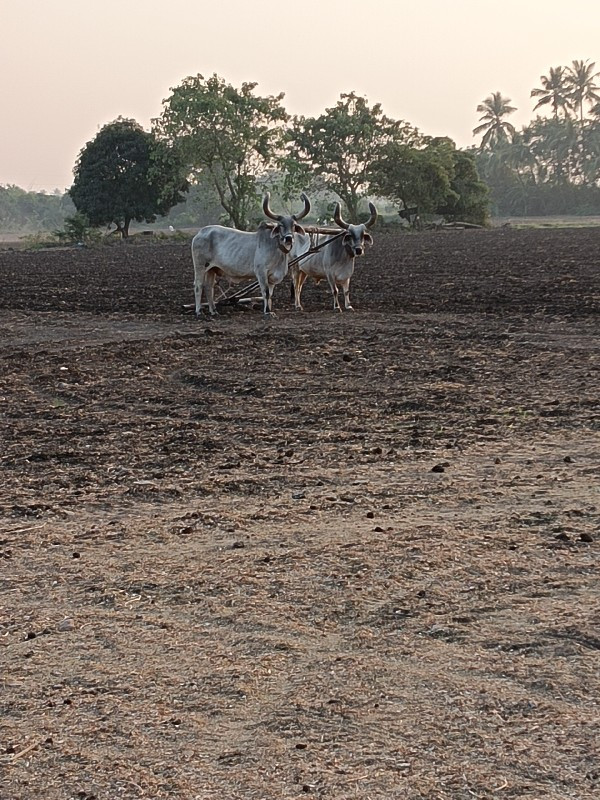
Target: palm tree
554 91
582 87
554 144
495 129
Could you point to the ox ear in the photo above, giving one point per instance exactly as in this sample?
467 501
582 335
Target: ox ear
368 238
274 231
298 228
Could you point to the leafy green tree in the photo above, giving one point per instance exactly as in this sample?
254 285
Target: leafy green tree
467 199
554 92
412 176
340 147
125 174
437 178
495 128
229 136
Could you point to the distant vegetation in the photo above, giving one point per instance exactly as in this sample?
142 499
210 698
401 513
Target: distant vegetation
552 165
28 212
215 149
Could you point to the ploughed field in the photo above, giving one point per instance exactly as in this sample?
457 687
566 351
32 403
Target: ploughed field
328 555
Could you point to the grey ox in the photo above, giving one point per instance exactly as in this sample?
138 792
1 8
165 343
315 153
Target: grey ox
262 255
335 261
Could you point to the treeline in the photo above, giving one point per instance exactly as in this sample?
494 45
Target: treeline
238 145
28 212
215 149
23 212
551 165
233 145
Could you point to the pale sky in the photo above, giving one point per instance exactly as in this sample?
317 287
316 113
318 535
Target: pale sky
67 67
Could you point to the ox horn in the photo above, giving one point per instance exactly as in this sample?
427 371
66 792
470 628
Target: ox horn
267 208
337 215
373 218
306 208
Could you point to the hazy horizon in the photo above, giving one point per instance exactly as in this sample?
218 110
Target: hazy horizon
69 69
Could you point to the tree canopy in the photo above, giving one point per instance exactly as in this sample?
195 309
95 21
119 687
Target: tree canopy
437 178
232 143
229 136
495 128
126 174
341 145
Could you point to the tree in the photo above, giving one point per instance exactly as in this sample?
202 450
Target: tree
494 127
504 186
229 136
437 178
415 177
583 89
125 174
553 145
554 92
341 145
467 199
582 86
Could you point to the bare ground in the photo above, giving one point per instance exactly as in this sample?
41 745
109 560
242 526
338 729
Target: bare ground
340 556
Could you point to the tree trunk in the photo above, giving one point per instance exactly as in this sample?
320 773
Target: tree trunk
352 203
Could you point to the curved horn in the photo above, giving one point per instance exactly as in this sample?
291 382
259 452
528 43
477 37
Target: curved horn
267 208
306 208
338 217
373 218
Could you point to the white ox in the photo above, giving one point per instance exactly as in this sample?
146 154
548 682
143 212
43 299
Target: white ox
335 261
262 255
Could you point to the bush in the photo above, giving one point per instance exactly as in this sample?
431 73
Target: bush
78 230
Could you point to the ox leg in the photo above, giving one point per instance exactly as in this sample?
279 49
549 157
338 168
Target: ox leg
346 288
199 277
266 292
210 276
299 279
270 299
334 292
